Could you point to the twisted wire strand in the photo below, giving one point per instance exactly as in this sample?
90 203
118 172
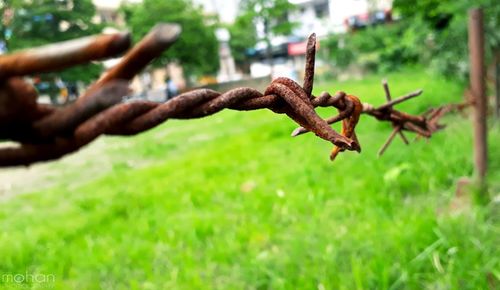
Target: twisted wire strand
134 117
46 133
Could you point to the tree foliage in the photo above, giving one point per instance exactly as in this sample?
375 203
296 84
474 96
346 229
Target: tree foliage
444 44
272 14
432 33
430 11
197 48
243 36
39 22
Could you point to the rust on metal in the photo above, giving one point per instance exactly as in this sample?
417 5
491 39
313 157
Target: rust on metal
478 92
63 55
45 132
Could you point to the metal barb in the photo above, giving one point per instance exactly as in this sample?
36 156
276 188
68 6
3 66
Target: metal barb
389 141
423 125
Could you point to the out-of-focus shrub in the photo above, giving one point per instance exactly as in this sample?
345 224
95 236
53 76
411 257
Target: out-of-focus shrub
378 48
432 33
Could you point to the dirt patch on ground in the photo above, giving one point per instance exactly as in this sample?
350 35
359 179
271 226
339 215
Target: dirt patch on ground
40 176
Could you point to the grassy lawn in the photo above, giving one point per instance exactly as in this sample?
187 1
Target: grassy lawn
232 202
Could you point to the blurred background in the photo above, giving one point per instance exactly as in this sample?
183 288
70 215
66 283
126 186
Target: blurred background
231 201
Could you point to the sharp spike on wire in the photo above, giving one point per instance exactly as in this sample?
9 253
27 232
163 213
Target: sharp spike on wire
386 90
388 142
403 137
310 62
399 100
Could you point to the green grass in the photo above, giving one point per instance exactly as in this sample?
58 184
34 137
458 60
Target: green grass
232 202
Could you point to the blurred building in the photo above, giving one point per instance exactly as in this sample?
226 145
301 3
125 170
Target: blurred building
355 14
323 17
312 16
337 16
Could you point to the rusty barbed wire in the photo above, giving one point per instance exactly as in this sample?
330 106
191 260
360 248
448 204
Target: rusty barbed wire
45 132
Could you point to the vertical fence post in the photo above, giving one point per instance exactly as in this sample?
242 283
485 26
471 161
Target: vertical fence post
497 85
478 92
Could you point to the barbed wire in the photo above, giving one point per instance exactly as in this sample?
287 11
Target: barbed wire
45 132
